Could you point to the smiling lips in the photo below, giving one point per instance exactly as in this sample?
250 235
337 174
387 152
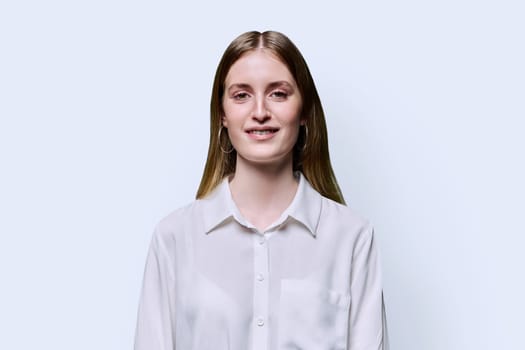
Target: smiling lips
262 133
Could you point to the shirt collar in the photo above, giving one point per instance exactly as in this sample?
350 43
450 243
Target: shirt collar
305 207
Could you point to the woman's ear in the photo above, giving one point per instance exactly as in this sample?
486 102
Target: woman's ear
223 121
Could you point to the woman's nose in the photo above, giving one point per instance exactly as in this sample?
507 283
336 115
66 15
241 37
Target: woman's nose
261 113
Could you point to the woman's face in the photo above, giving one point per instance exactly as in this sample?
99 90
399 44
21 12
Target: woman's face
262 106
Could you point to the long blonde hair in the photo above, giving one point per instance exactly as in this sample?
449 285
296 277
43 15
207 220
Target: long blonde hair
311 155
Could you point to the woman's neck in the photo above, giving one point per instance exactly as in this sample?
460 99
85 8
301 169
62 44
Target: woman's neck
263 192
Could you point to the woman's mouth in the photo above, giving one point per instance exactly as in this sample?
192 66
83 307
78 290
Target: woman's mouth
262 134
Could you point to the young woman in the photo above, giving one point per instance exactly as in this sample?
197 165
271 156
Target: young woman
268 256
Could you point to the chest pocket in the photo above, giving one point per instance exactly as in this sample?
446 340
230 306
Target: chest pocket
312 318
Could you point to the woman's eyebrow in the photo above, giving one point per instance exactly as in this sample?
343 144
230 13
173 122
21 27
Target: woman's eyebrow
281 83
272 85
239 86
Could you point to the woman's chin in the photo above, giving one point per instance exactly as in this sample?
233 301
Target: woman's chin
264 159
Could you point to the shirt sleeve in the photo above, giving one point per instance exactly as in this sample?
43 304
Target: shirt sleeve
367 323
155 329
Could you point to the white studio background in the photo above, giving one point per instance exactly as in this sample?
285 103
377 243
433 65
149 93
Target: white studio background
104 130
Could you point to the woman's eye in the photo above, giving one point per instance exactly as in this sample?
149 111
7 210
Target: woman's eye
279 94
240 96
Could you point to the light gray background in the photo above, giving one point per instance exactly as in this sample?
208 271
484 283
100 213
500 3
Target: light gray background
104 130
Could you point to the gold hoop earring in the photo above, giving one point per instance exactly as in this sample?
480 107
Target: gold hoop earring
220 143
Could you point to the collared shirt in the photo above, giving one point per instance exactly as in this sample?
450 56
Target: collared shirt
310 281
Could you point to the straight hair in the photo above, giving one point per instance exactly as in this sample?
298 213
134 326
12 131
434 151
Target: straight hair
310 155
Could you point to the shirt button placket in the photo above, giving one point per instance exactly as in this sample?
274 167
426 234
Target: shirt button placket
260 292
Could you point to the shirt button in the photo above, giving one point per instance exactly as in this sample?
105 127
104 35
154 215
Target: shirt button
260 322
260 277
262 240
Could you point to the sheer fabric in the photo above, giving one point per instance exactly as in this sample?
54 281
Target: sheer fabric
310 281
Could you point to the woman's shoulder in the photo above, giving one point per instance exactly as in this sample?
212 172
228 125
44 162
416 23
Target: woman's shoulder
344 210
178 220
344 216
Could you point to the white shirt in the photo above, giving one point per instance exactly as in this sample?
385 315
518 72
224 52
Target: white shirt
310 281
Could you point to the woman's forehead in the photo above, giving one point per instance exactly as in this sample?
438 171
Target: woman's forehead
258 65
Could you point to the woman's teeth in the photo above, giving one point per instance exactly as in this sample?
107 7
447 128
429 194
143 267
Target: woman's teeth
261 132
